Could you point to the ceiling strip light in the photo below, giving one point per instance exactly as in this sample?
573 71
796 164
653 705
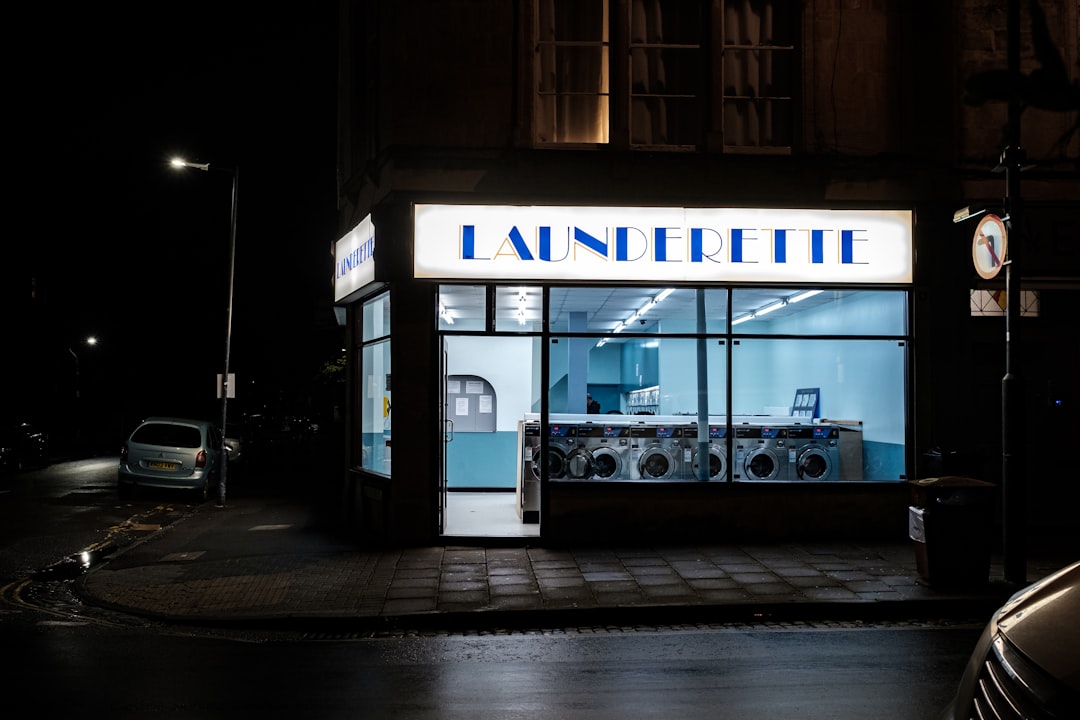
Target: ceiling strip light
637 315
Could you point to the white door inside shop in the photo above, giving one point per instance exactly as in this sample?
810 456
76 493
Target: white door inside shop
489 384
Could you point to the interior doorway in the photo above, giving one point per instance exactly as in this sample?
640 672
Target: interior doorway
487 390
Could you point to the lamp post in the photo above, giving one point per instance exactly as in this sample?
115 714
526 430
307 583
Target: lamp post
224 389
91 341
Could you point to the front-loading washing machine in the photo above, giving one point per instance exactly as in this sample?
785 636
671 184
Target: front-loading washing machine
561 442
715 451
760 453
608 448
656 450
579 463
814 452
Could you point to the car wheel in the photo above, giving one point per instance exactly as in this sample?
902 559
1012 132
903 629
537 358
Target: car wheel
202 493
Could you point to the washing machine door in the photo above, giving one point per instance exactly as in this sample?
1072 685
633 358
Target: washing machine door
556 462
608 463
813 463
656 463
580 464
717 463
761 464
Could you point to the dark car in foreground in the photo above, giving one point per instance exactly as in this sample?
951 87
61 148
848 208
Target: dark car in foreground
22 446
1027 661
171 453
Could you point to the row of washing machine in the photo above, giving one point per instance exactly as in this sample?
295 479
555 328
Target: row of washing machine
787 453
650 450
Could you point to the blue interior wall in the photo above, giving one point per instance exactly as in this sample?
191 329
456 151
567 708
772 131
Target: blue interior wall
482 460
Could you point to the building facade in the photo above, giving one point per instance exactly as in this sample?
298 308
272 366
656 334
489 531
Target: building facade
727 222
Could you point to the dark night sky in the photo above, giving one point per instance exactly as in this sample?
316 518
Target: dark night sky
127 249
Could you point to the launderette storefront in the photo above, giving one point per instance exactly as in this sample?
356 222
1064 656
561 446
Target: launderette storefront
631 373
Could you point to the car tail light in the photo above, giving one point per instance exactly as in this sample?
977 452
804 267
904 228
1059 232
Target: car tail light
200 459
124 453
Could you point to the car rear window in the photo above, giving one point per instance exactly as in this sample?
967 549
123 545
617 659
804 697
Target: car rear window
168 435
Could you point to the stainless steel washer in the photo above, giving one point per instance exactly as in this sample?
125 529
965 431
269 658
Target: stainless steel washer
716 452
609 449
657 449
760 453
563 439
814 451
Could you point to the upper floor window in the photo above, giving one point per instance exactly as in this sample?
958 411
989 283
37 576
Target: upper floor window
665 74
758 57
572 73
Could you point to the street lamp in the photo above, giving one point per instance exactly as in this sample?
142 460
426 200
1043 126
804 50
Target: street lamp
224 389
91 341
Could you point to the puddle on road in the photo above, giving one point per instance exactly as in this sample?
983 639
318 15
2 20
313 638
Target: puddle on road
75 565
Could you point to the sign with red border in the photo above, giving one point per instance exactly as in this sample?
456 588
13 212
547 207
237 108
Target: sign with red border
990 246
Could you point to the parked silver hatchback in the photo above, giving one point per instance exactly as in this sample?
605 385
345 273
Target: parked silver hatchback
171 453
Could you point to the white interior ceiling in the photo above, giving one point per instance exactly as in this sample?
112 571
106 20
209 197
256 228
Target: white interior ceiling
605 307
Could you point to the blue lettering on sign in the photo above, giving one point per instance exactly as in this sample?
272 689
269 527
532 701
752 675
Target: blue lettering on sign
623 240
697 245
660 248
817 246
598 246
359 255
468 242
780 245
847 246
626 244
517 246
737 245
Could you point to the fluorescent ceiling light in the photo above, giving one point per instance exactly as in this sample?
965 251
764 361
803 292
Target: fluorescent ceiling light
769 308
802 296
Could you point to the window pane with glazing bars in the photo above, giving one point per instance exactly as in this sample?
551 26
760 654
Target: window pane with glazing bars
758 58
572 69
666 72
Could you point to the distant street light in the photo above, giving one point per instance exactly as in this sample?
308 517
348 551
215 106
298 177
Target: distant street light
235 172
78 390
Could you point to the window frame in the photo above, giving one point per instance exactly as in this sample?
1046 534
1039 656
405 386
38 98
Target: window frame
714 102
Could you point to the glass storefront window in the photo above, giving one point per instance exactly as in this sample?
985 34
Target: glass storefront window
638 376
646 383
374 386
633 310
376 318
855 386
519 309
784 311
463 308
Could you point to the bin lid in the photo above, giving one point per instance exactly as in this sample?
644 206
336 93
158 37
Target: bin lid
950 481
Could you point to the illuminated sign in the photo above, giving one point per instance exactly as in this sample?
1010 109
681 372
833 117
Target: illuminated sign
662 244
354 260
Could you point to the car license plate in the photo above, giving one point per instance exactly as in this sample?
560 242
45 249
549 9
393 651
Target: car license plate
160 465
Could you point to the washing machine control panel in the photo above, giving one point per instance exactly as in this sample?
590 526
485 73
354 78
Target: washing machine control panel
826 433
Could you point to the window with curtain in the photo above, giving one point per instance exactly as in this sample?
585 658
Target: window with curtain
686 73
572 71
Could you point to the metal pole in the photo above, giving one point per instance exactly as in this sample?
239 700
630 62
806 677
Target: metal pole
705 462
222 476
1013 486
78 403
